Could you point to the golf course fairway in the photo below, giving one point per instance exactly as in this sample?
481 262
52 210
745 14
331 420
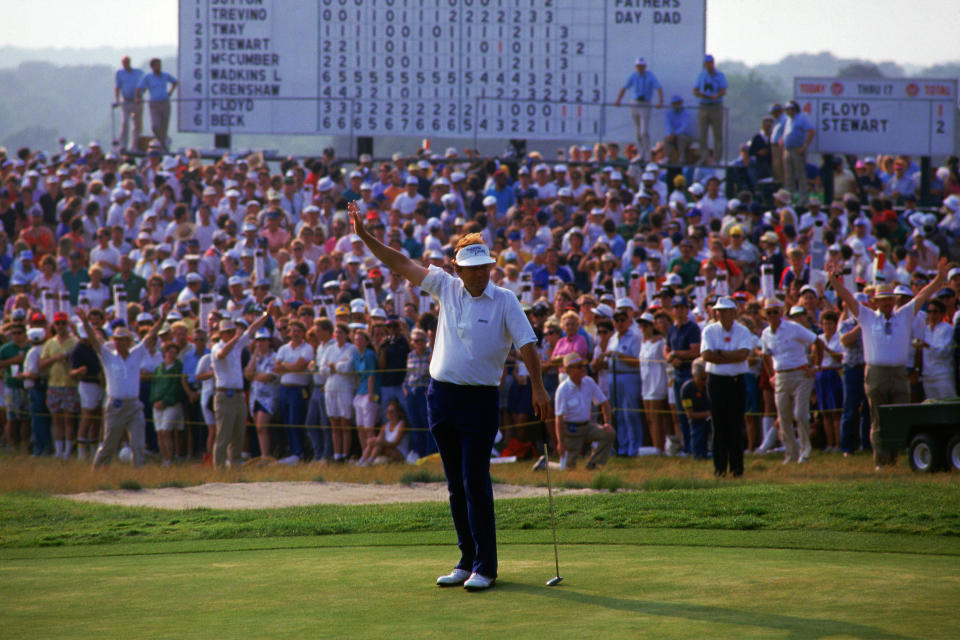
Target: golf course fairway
381 586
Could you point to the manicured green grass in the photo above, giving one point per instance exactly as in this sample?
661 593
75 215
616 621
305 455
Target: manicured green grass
381 586
28 520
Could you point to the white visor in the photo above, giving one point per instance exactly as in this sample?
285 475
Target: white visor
474 255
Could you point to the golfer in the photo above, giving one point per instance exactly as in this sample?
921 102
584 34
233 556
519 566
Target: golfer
121 369
478 324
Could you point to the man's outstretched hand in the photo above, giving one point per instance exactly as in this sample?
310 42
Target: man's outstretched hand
354 210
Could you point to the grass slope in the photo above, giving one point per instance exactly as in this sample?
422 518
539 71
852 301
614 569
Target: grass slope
30 520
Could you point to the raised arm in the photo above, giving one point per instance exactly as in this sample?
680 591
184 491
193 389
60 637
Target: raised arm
943 268
849 301
151 338
252 329
92 335
394 260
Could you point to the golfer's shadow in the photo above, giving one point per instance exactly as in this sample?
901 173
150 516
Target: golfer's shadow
797 628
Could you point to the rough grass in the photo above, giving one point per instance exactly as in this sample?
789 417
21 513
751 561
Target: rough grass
881 506
23 473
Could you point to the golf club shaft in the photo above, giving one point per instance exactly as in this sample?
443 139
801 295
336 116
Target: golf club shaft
553 520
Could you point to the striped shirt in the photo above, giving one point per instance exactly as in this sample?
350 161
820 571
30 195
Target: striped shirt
418 370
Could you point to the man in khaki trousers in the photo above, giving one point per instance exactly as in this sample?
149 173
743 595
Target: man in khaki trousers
786 351
887 333
121 369
229 406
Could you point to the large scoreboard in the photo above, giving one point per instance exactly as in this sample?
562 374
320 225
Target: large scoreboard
534 69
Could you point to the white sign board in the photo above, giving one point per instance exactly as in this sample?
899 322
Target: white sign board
915 116
533 69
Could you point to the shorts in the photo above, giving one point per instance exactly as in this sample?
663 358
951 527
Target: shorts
63 400
829 386
751 387
339 403
671 395
15 401
259 408
91 395
366 411
208 417
169 418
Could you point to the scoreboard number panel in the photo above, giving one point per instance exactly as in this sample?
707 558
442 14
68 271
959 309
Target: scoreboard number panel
534 69
913 116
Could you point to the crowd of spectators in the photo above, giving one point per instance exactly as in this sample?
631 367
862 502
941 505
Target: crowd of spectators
616 258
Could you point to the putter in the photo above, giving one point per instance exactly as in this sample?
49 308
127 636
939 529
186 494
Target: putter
552 582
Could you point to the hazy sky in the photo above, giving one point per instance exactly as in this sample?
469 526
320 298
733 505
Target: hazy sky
752 31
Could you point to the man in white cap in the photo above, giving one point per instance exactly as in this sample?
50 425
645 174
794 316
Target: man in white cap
786 351
229 407
886 334
121 370
478 324
725 346
407 201
641 83
623 353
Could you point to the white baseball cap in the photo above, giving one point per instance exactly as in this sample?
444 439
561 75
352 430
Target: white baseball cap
474 255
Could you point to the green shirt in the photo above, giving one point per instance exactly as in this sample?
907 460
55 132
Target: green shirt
72 282
688 270
10 350
134 285
628 231
165 384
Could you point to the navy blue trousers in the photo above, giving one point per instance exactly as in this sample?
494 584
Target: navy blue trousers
464 421
292 410
855 423
321 437
680 377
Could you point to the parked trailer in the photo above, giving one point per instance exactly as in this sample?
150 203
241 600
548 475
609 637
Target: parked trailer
929 431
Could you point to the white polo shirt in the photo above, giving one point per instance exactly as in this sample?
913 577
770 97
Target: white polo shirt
122 375
228 371
287 354
474 335
574 402
886 343
789 346
938 354
714 338
322 373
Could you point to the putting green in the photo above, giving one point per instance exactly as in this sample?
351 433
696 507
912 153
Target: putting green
381 586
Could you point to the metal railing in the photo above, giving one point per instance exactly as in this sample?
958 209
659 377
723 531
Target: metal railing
481 117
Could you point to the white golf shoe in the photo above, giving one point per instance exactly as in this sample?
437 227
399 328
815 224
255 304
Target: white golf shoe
453 579
477 582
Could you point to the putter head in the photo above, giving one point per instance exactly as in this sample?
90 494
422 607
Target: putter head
552 582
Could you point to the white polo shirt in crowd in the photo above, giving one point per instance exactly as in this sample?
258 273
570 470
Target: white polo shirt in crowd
886 343
228 371
474 335
575 402
342 357
322 373
714 338
288 354
122 375
789 346
938 354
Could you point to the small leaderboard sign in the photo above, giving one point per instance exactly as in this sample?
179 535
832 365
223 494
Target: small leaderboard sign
913 116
